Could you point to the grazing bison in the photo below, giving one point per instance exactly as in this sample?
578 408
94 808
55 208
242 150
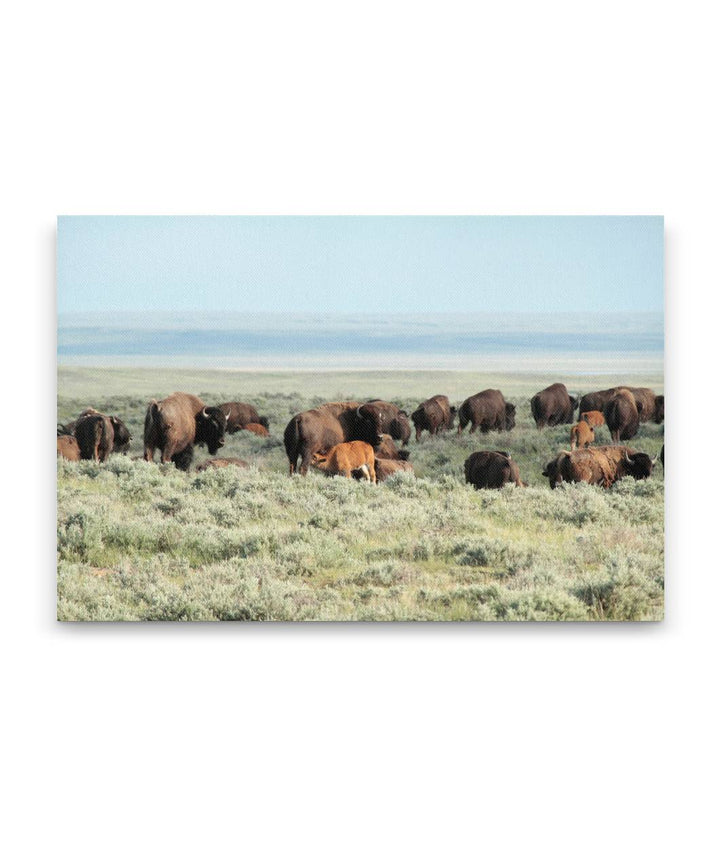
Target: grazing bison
621 415
581 435
603 465
491 470
433 415
344 458
67 447
256 428
553 406
219 463
95 436
239 415
384 468
388 450
391 419
177 423
488 411
323 427
594 418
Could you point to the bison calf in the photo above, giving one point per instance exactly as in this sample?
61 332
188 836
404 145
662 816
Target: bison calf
594 418
343 458
67 447
581 436
219 463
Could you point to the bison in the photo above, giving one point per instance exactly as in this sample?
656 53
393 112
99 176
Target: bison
491 470
344 458
553 406
95 436
621 415
581 436
219 463
67 447
177 423
433 415
596 400
325 426
239 415
257 428
488 411
649 405
122 436
602 465
391 420
388 450
384 468
594 418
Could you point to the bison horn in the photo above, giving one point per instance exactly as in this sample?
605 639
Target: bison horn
627 457
204 413
655 459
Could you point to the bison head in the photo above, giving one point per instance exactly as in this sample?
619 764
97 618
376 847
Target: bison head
659 409
509 416
638 465
369 424
210 425
122 435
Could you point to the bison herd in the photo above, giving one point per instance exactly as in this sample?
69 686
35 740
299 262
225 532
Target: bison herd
357 439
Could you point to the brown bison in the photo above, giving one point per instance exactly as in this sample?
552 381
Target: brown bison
344 458
602 465
488 411
392 420
581 436
320 429
239 415
177 423
388 450
67 447
650 406
219 463
122 436
95 436
384 468
256 428
553 406
491 470
594 418
621 415
433 415
596 400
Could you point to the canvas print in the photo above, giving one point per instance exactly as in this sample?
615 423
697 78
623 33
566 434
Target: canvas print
360 418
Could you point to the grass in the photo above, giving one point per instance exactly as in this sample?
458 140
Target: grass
141 542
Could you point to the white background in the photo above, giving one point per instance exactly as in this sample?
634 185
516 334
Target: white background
356 739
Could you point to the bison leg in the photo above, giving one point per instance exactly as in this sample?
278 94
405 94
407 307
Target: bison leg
373 476
305 463
418 432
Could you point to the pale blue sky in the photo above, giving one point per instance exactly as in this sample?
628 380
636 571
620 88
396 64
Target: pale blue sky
360 264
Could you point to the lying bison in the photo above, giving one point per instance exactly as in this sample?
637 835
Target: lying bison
603 465
388 450
433 415
488 411
320 429
257 429
581 436
391 420
553 406
621 415
239 415
67 447
219 463
346 458
384 468
177 423
491 470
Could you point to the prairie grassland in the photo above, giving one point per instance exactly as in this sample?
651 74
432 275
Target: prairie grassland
147 542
